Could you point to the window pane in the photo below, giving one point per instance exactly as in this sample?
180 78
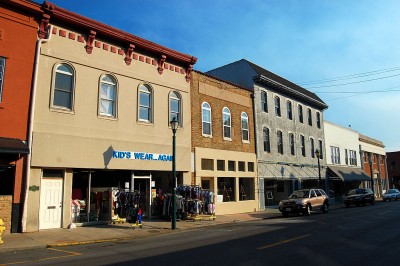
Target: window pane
145 99
207 164
206 128
220 165
241 166
231 166
246 186
62 98
63 82
144 113
226 187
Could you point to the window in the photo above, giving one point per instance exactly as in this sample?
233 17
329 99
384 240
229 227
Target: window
220 165
309 117
335 155
264 103
312 148
353 157
63 87
231 166
175 107
318 119
280 141
245 127
241 166
291 144
303 146
206 119
277 106
346 157
320 150
108 89
2 71
145 104
207 164
250 166
300 113
226 187
289 110
226 120
246 186
267 144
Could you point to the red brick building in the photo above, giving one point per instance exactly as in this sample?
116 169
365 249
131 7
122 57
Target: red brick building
393 168
18 34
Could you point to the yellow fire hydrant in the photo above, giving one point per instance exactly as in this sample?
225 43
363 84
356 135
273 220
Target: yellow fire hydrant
2 229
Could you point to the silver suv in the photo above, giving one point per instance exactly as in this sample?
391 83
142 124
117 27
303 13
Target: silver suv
304 201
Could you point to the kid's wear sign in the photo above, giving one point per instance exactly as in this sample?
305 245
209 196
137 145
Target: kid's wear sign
131 155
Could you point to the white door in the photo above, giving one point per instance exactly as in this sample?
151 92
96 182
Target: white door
51 203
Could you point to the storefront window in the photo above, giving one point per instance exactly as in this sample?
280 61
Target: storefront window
246 186
226 187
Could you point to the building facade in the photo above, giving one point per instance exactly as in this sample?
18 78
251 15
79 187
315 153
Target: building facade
393 168
288 127
374 164
102 141
18 35
344 167
223 146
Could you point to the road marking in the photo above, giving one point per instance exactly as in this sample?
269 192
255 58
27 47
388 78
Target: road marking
70 254
283 242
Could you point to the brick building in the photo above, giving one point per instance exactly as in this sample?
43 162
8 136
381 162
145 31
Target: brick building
223 146
393 168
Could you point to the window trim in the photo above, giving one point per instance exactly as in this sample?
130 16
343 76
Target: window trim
279 141
289 110
203 121
245 129
266 140
312 147
179 99
318 120
309 112
151 104
278 106
105 115
303 145
292 144
53 89
264 101
226 126
300 111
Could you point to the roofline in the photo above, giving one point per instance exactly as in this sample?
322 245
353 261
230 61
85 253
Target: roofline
62 15
26 5
221 80
372 141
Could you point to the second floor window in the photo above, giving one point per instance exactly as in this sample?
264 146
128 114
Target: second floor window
289 110
145 104
277 106
264 103
318 119
267 145
312 146
108 91
335 155
300 110
175 107
2 71
346 157
226 121
206 119
302 145
291 144
63 87
245 127
309 117
321 154
280 141
353 157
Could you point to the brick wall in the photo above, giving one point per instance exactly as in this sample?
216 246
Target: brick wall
5 211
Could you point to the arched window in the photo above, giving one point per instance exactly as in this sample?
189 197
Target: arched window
280 141
312 147
309 117
277 106
175 107
206 119
291 144
267 144
300 113
108 91
302 146
318 119
64 87
289 110
226 121
245 127
145 103
264 103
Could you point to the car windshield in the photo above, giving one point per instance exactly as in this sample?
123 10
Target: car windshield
355 191
390 191
299 194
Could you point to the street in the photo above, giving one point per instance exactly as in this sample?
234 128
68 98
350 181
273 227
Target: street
345 236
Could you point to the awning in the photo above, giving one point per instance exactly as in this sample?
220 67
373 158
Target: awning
347 174
13 146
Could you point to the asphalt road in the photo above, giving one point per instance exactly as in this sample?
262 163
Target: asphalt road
346 236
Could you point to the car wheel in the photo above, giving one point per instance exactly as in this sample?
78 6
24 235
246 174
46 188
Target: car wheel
307 210
396 197
325 208
285 214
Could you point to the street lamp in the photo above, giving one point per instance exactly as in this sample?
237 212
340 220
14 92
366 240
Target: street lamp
174 125
317 153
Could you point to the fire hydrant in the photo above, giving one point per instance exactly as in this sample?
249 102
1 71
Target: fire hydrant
2 229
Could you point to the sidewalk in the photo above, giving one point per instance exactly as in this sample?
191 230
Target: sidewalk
125 231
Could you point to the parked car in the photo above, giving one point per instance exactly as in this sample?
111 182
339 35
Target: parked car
359 196
304 201
391 194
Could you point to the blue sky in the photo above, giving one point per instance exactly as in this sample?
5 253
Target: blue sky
354 42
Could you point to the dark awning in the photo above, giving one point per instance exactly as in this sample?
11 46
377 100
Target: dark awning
347 174
13 146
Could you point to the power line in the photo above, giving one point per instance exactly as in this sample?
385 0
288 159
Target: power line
367 92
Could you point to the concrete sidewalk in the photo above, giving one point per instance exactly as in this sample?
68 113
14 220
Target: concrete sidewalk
125 231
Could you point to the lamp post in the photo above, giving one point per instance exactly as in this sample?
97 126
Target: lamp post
174 125
319 168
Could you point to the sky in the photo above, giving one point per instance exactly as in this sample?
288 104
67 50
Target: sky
347 52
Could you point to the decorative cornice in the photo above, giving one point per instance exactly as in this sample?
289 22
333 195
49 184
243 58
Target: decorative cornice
129 52
161 64
90 41
44 25
189 69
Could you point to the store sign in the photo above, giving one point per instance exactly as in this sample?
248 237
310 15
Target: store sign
131 155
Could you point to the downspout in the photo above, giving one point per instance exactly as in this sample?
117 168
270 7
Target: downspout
30 125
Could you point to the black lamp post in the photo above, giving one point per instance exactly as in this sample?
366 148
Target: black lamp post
174 125
319 168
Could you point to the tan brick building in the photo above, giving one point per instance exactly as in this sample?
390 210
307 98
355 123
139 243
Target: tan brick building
223 147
